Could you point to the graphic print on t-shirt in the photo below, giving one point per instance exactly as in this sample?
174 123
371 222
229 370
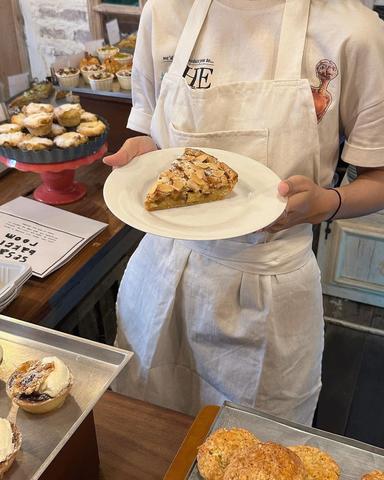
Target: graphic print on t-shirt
326 71
198 72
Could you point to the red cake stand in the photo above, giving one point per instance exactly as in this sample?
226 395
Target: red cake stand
58 179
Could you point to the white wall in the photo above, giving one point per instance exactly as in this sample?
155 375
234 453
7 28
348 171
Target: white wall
53 28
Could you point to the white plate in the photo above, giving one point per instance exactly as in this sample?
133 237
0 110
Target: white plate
253 204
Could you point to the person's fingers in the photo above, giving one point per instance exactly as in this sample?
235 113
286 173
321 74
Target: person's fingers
293 185
117 159
131 148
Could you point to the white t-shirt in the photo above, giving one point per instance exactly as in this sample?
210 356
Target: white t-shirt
239 42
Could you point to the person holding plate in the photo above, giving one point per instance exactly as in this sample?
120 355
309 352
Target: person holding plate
280 82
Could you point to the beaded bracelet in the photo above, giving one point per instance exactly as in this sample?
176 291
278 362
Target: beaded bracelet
338 207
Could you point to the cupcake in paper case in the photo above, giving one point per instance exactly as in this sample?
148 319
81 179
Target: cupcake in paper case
107 51
88 69
68 114
10 443
101 81
124 78
125 59
39 124
40 386
68 77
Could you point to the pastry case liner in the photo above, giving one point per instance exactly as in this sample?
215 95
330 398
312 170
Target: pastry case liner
56 154
354 458
94 367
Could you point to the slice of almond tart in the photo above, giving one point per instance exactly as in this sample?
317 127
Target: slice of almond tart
194 177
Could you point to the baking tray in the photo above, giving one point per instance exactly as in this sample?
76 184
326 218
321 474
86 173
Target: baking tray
93 365
355 458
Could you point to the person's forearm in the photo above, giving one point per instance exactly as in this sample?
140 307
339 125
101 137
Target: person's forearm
364 195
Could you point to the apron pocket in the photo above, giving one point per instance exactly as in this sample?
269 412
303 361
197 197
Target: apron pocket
251 143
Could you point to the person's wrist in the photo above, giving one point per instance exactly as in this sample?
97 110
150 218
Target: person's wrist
332 203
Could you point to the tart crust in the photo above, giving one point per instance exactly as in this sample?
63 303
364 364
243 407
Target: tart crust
194 177
7 463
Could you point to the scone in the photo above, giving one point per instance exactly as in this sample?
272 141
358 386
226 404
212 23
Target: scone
33 108
91 129
319 465
39 124
18 119
194 177
214 455
70 139
39 386
88 117
374 475
10 443
56 130
35 143
68 114
265 461
11 139
9 128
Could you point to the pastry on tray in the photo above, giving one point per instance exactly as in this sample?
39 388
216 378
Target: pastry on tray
91 129
39 124
11 139
88 117
9 128
194 177
56 130
35 143
214 455
318 464
70 139
18 119
32 108
68 114
374 475
265 461
40 386
10 443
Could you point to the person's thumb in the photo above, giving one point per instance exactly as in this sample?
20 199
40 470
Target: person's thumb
292 185
117 159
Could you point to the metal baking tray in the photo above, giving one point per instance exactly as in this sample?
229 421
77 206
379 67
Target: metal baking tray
94 366
355 458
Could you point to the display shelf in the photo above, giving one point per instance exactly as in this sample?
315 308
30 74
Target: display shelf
112 9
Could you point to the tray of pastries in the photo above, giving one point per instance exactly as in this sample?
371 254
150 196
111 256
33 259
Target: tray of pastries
244 444
49 383
42 133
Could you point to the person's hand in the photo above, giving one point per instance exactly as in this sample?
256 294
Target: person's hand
307 203
131 148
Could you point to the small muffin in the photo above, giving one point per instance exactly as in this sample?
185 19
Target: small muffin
91 129
10 443
11 139
40 386
9 128
374 475
88 69
214 455
18 119
33 108
70 139
319 465
35 143
88 117
68 77
39 124
56 130
68 114
265 461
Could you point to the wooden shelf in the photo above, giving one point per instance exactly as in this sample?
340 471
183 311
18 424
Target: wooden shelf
109 8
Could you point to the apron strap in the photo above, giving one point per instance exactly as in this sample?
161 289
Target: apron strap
189 36
292 40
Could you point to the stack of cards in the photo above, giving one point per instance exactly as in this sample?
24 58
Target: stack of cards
12 277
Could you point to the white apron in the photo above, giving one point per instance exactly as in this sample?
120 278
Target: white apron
237 319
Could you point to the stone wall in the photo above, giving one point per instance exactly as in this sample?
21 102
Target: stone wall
53 28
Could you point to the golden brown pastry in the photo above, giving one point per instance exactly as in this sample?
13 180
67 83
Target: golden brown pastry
9 128
88 117
319 465
10 443
265 461
91 129
194 177
214 455
56 130
33 108
39 124
88 60
68 114
70 139
111 65
39 386
374 475
18 119
35 143
11 139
